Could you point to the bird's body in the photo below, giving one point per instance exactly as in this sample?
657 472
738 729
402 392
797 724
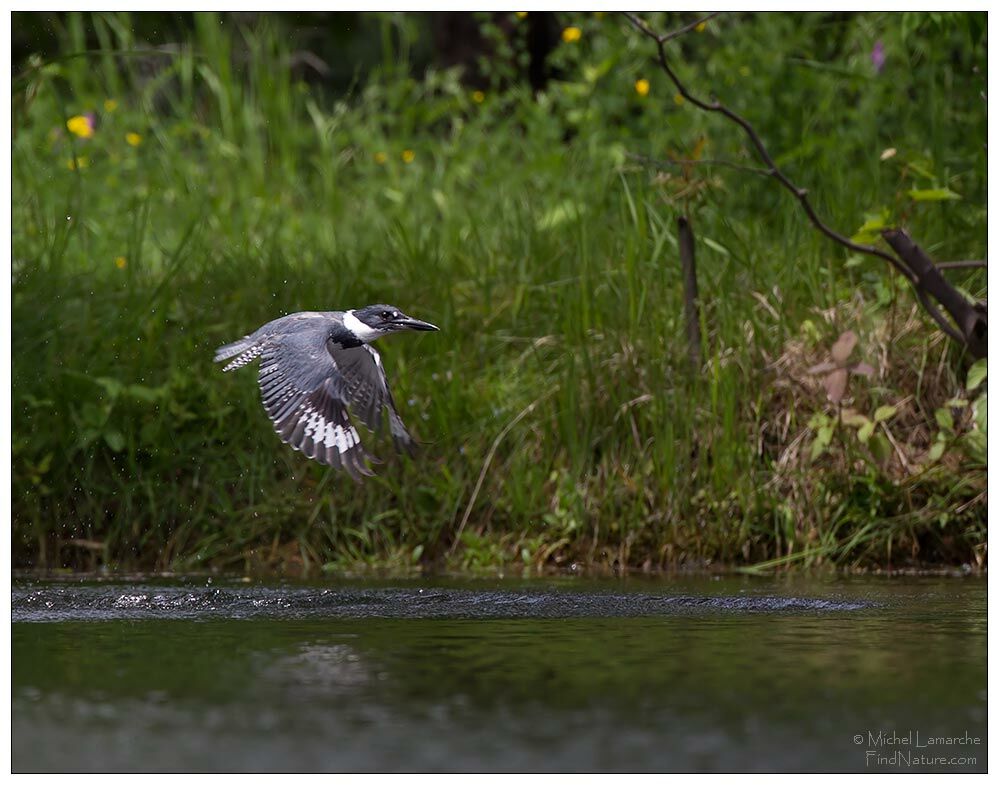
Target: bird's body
317 368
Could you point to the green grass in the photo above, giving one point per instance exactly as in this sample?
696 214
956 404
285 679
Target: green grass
548 258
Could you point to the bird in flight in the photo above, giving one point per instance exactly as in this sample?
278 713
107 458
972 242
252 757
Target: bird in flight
315 367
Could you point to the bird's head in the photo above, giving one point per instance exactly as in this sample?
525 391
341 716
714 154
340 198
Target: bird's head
373 321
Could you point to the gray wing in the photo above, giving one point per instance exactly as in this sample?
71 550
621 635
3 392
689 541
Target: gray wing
303 391
366 389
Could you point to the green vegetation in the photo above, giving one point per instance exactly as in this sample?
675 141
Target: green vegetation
212 192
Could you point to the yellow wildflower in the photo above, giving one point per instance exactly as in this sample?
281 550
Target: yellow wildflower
133 138
81 125
571 34
521 14
408 156
120 262
478 96
380 157
678 99
642 87
110 104
701 27
80 162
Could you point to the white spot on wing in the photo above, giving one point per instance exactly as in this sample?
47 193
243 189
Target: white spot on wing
374 354
341 439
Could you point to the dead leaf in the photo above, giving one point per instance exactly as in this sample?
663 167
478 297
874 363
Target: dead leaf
844 346
837 371
835 384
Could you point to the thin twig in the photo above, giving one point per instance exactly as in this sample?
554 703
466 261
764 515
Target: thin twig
687 28
489 459
960 264
898 450
938 317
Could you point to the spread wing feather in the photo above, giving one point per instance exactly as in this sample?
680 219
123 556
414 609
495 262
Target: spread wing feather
366 388
309 386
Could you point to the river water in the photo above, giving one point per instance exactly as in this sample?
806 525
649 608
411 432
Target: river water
633 675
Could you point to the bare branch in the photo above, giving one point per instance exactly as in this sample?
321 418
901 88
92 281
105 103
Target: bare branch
662 39
960 264
938 317
800 194
687 28
971 323
910 260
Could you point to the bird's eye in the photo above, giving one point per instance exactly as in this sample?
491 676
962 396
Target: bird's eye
386 315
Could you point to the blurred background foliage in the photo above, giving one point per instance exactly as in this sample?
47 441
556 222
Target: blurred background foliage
180 179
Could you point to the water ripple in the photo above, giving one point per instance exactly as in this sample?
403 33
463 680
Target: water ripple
100 602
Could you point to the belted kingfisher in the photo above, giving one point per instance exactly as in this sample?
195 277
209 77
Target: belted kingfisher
316 365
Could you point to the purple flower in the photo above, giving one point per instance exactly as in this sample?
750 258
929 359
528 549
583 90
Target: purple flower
878 56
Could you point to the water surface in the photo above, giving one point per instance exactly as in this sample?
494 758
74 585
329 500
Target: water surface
697 674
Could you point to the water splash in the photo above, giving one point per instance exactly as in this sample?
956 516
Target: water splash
47 603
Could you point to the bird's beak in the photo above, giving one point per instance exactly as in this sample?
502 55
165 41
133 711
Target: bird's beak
407 323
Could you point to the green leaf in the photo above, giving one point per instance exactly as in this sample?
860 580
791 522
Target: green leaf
823 436
977 374
810 331
592 73
150 433
922 168
944 419
883 413
976 445
870 230
439 199
566 210
937 449
879 447
818 420
854 419
817 449
87 436
866 431
716 246
981 407
115 440
92 416
932 195
111 386
146 394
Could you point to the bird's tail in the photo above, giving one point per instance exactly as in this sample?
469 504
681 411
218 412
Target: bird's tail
239 353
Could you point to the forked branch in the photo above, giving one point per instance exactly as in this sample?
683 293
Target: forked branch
918 269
